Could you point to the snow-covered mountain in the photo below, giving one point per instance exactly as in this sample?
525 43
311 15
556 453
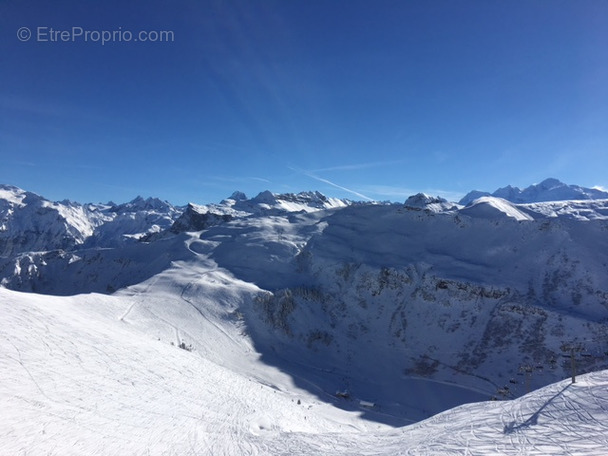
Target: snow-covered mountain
132 221
28 222
197 217
65 247
548 190
421 201
394 312
31 223
270 203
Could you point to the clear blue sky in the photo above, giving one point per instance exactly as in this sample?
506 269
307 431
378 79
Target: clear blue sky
352 98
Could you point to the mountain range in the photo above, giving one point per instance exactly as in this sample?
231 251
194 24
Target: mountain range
548 190
367 315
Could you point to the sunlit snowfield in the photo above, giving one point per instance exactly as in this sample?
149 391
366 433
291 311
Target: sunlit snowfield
97 374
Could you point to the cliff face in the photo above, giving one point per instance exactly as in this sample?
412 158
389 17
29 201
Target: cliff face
452 297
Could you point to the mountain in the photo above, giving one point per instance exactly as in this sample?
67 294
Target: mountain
425 202
64 247
197 217
304 201
547 190
31 223
268 203
371 315
133 221
492 207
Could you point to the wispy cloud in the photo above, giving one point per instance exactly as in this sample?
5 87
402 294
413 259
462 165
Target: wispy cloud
357 166
389 191
239 179
29 164
215 145
379 191
261 179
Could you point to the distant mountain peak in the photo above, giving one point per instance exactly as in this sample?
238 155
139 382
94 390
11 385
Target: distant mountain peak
197 218
422 201
492 207
238 196
550 183
42 225
140 203
11 188
290 202
11 194
550 189
265 197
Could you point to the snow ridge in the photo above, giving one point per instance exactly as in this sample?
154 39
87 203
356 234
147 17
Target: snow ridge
548 190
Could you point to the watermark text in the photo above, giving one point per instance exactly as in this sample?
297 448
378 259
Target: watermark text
79 34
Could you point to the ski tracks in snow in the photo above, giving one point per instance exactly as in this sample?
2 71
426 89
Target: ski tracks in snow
140 295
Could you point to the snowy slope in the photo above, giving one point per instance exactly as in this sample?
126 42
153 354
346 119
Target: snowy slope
85 270
91 375
95 374
492 207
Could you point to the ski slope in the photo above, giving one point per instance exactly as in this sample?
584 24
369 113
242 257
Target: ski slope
96 374
80 378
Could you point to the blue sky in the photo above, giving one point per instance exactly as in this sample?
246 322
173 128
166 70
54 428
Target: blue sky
356 99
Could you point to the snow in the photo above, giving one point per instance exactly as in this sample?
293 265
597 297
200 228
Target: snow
562 418
380 290
103 374
582 210
12 195
492 207
422 201
269 202
234 333
29 222
76 217
89 374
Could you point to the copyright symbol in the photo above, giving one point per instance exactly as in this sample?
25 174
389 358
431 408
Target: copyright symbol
24 34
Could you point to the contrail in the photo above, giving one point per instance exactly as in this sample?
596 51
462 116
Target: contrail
320 179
